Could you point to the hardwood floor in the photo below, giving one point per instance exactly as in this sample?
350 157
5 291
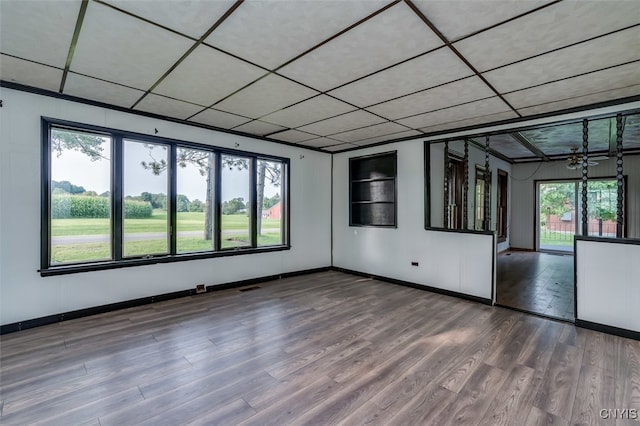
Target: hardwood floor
536 282
327 348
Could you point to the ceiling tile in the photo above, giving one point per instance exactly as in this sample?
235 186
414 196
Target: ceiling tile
427 71
555 26
29 73
508 146
386 39
102 91
259 128
603 96
168 107
293 136
269 33
270 94
603 52
217 118
189 17
206 76
381 129
484 119
456 18
458 92
389 137
460 112
40 31
308 111
342 123
340 147
609 79
119 48
320 142
631 135
559 140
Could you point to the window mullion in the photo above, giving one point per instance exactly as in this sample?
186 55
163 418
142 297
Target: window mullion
253 197
117 198
172 208
45 219
217 208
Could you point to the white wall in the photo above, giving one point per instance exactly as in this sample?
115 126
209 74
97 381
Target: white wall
25 295
608 291
523 193
451 261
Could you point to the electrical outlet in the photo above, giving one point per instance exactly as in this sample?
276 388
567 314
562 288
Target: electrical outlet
414 264
200 288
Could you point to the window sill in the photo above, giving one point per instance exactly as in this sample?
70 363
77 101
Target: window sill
100 266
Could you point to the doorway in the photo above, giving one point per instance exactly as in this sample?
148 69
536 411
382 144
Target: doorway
559 212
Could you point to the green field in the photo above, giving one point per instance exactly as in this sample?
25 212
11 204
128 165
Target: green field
188 221
237 235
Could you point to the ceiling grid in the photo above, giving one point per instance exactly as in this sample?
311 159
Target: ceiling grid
335 75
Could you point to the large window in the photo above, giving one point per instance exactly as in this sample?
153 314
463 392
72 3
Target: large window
373 190
113 199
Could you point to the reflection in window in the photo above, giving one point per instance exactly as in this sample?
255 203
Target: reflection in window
480 199
80 197
195 200
235 199
269 200
145 189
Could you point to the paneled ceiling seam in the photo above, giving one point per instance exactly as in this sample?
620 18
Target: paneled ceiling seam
561 48
339 33
529 145
71 98
386 68
148 21
74 42
574 76
492 151
514 121
454 50
274 70
32 61
448 107
490 27
418 91
191 49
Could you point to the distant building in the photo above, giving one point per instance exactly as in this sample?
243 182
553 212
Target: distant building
274 212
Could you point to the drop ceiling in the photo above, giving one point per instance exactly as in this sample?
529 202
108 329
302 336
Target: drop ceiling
336 74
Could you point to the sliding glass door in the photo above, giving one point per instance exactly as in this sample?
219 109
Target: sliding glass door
559 212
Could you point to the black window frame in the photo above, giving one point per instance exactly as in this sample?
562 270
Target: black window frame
393 178
118 261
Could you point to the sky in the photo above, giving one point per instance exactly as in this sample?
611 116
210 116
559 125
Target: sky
78 169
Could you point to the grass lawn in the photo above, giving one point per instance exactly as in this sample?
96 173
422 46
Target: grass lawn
187 221
550 238
69 252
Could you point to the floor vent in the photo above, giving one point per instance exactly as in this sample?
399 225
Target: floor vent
249 288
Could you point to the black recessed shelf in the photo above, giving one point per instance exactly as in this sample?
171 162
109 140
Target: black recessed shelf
372 190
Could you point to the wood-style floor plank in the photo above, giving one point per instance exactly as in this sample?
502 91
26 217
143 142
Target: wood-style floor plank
326 348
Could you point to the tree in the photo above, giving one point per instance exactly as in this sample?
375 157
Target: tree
196 206
556 198
234 206
271 201
90 145
66 186
182 203
204 161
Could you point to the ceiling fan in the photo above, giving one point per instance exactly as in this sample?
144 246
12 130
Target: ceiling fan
574 161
